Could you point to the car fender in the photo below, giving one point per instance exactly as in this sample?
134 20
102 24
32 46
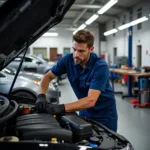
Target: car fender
17 89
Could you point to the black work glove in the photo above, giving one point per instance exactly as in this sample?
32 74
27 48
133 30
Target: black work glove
40 102
55 109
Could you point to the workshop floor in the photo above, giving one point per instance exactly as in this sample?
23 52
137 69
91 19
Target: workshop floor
133 123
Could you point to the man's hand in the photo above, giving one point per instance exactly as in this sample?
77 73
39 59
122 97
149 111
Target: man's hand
41 102
55 109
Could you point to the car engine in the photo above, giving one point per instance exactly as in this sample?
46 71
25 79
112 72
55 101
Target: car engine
21 122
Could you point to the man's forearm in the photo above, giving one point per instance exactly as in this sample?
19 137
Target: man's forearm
81 104
44 84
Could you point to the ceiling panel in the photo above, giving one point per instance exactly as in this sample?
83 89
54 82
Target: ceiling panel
72 14
128 3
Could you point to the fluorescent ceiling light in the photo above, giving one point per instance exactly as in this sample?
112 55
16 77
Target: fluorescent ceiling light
135 22
124 26
75 32
91 19
82 26
138 21
50 34
110 32
107 6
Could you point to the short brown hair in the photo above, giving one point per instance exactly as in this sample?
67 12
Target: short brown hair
84 36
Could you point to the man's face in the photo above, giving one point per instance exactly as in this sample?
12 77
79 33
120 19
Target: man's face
81 52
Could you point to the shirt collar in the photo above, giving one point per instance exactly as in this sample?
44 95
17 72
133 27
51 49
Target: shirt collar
90 63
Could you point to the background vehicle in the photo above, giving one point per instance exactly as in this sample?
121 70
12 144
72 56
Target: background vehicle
34 64
36 77
31 63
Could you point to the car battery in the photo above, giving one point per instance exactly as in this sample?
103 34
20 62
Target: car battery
81 129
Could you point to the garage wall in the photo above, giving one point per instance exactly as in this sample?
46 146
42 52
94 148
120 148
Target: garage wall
63 40
140 37
41 52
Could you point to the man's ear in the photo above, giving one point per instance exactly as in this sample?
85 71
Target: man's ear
92 48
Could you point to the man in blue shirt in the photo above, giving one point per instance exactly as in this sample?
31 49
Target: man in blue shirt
88 75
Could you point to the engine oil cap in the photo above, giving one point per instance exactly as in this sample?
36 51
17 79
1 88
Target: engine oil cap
54 140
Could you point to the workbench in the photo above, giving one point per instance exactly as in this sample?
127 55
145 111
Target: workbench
130 72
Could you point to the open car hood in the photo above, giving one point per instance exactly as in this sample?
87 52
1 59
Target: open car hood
24 21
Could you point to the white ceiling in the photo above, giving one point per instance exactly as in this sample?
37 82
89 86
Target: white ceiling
81 10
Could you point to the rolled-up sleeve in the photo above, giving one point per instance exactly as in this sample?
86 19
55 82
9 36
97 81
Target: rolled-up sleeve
100 78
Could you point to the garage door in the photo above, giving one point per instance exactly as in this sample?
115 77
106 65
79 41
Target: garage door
42 52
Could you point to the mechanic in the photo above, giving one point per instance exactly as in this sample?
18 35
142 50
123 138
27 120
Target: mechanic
88 75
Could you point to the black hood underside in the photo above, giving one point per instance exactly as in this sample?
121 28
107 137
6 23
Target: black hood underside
23 21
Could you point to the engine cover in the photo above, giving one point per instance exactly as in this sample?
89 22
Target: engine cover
41 127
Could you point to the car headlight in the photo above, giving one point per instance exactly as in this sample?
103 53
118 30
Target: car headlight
36 82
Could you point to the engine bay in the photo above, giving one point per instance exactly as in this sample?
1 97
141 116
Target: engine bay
21 122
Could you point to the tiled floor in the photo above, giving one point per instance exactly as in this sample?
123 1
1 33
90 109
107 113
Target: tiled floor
133 123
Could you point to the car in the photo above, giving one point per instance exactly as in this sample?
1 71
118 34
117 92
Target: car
33 63
26 87
53 91
36 77
22 126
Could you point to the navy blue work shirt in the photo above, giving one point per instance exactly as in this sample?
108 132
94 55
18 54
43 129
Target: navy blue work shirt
94 76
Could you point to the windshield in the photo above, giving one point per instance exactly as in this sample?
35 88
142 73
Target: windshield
39 58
